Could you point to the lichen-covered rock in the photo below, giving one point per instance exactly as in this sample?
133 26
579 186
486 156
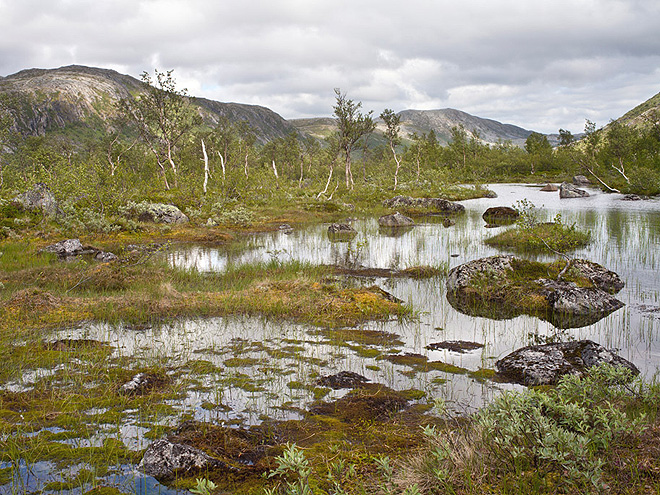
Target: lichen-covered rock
505 287
572 306
39 198
105 256
600 276
546 364
568 190
164 459
395 220
438 205
69 247
341 228
154 212
463 276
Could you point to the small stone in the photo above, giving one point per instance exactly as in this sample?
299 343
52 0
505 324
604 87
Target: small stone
69 247
164 459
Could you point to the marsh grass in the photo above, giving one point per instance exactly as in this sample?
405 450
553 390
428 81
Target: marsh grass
560 237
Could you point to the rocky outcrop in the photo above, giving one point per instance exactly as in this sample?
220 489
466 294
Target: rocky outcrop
546 364
485 287
39 198
568 190
436 205
164 459
395 220
549 188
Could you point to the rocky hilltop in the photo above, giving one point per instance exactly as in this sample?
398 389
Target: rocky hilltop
45 100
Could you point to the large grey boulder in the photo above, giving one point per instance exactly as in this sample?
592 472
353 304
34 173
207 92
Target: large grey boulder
438 205
395 220
600 276
155 212
164 459
568 190
39 198
546 364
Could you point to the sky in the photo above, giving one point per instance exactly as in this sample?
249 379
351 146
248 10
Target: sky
538 64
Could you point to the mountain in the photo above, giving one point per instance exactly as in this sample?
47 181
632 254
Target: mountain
423 121
442 121
83 99
643 113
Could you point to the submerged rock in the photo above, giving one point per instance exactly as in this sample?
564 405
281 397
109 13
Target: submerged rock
567 190
448 222
164 459
286 229
438 205
546 364
631 197
549 188
341 232
460 346
343 379
395 220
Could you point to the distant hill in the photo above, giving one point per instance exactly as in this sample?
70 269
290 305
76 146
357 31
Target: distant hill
423 121
83 98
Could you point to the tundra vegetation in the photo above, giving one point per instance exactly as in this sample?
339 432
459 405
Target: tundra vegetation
590 434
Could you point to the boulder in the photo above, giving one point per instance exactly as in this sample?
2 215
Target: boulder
69 247
546 364
549 188
484 287
164 459
341 228
581 180
572 306
39 198
500 215
395 220
155 212
438 205
568 190
105 256
631 197
286 229
600 276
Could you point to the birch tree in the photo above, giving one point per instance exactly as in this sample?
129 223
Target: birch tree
352 126
162 116
392 124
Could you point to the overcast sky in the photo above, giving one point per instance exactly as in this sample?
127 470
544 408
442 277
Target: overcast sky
539 64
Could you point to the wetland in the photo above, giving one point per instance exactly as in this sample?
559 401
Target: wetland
234 345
